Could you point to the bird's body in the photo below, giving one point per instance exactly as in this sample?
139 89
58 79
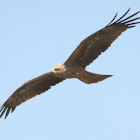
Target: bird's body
65 71
74 67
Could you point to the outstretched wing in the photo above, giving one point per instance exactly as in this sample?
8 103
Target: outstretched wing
90 48
29 90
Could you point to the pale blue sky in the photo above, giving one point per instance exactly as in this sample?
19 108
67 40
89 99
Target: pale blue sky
36 35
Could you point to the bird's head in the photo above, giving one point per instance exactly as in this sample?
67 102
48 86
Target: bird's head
60 68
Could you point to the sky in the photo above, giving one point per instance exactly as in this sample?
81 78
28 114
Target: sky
36 35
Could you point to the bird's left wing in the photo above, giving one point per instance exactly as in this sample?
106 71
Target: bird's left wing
29 90
90 48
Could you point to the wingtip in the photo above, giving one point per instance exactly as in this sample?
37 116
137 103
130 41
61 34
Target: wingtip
112 19
131 26
13 109
2 111
125 21
110 76
129 8
6 111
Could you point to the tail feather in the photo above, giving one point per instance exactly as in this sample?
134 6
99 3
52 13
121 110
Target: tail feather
90 78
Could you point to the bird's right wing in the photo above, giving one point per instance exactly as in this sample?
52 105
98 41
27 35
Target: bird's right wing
29 90
90 48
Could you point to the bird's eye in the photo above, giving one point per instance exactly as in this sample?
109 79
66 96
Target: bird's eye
57 69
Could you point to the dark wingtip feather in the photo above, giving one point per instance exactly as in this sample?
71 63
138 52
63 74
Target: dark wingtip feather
1 108
130 20
126 21
112 19
128 17
133 23
8 110
123 15
3 111
131 26
13 109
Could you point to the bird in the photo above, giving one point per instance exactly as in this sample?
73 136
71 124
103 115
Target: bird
74 67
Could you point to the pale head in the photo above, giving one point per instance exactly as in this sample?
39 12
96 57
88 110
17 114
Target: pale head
60 68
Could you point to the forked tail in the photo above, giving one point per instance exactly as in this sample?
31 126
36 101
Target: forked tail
90 78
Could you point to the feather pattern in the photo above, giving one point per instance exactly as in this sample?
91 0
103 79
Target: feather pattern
29 90
90 48
87 51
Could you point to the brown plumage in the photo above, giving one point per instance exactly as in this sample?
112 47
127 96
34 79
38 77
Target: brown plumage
87 51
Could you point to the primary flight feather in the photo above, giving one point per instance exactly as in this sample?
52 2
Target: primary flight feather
74 67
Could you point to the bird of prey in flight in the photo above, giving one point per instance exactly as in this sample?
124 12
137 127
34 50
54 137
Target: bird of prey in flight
74 67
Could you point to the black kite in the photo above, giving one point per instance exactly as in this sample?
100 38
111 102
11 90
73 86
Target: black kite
74 67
